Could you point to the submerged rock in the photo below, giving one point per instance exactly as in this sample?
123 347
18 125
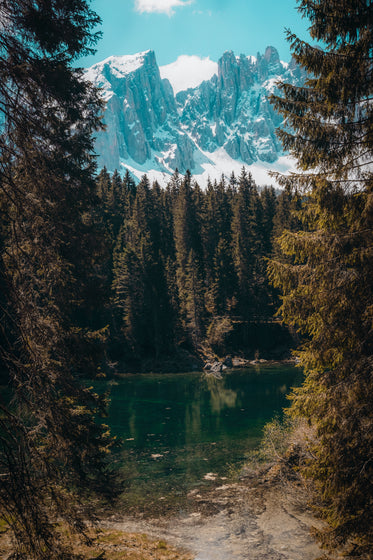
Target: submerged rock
210 476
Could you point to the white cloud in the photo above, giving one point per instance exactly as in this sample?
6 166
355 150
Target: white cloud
160 6
188 71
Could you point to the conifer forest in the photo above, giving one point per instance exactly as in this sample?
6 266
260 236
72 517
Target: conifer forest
186 268
101 275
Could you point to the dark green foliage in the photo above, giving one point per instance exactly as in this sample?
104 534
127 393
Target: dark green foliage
51 447
144 311
189 266
327 273
248 247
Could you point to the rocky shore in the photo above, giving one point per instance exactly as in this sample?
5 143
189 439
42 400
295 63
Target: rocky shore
218 366
262 516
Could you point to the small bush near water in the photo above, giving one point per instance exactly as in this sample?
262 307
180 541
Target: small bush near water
284 441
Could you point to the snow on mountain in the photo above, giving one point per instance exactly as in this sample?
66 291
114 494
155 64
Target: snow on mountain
218 163
119 67
188 72
214 127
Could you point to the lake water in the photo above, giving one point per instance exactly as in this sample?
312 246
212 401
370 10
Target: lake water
177 429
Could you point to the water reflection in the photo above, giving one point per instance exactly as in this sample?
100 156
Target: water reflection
221 397
177 428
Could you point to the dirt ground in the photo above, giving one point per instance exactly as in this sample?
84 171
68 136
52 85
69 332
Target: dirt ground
262 517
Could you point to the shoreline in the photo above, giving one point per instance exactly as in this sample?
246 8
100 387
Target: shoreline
262 516
238 363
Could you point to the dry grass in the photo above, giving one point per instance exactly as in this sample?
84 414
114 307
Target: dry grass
110 545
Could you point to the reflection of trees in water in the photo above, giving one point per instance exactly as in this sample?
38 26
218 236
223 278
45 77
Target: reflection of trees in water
193 420
177 431
216 398
211 396
220 396
132 418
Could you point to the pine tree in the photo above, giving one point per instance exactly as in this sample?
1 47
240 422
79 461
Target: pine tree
220 277
245 244
327 276
194 300
140 283
50 442
225 280
287 215
269 208
130 297
188 251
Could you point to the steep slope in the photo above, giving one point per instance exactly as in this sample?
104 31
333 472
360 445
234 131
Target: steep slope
213 128
232 110
142 124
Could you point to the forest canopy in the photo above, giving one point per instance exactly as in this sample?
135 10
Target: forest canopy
187 268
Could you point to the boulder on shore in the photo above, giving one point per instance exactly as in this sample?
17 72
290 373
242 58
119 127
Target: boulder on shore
228 362
214 367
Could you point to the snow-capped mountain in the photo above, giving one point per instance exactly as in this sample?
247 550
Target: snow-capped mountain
213 128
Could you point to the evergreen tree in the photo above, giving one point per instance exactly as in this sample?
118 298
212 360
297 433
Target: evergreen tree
140 284
175 183
187 248
269 208
225 280
130 299
217 243
181 242
233 183
118 202
287 215
129 194
103 185
49 442
327 278
244 239
194 300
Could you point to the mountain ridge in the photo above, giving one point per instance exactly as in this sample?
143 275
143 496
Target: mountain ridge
216 127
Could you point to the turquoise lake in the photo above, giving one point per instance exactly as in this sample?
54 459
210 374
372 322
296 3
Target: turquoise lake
177 429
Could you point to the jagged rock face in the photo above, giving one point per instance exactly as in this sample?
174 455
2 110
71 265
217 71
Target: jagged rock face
147 125
233 110
141 116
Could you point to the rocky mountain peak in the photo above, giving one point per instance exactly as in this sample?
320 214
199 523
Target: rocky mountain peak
226 64
271 55
147 127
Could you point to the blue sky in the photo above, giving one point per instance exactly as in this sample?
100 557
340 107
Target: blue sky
205 28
